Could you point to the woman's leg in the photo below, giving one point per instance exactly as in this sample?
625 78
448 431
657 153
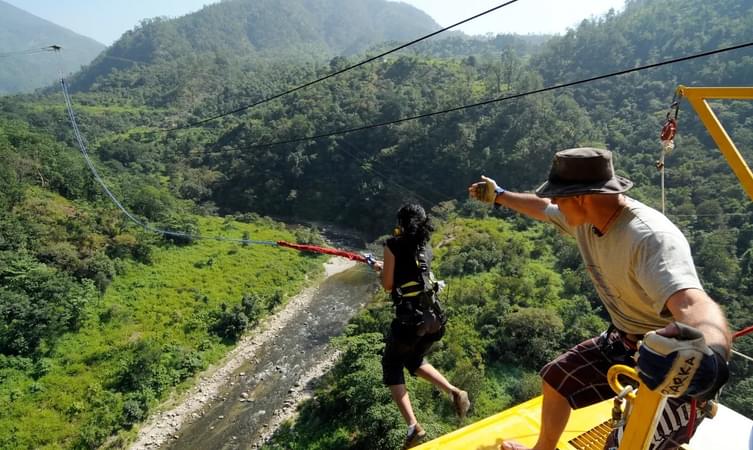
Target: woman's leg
432 375
459 396
402 400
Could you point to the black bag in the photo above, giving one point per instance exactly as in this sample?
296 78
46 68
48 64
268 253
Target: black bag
416 302
432 317
422 313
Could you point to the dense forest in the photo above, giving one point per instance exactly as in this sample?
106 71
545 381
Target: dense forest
85 350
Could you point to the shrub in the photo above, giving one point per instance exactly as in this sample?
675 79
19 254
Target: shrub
530 337
252 305
229 325
528 387
134 411
310 236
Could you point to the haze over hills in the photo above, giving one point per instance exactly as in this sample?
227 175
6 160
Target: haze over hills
263 29
20 31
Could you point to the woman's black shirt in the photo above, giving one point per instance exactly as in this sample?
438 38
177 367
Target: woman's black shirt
406 268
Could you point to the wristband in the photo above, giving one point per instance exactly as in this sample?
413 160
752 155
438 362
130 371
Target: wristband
499 191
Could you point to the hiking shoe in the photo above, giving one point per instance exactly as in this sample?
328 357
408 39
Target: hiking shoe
415 436
462 404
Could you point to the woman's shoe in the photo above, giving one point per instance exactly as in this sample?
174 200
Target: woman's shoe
462 404
415 436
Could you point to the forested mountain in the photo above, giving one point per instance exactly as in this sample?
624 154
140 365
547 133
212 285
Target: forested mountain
21 31
63 244
252 31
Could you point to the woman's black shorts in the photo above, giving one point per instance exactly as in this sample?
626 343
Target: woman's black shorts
405 350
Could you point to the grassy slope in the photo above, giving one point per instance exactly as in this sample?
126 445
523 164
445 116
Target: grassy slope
164 303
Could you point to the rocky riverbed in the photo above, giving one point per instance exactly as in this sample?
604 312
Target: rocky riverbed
240 402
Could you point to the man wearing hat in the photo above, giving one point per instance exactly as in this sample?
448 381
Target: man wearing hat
643 271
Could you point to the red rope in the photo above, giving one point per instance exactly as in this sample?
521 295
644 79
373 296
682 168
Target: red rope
692 418
742 332
324 250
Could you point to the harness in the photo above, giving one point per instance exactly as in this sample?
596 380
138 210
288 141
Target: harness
416 303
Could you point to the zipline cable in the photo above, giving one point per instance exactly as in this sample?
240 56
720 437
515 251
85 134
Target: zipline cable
146 226
84 152
333 74
300 247
496 100
368 259
742 355
114 199
31 51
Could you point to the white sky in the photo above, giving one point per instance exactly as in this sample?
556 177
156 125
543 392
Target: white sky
106 20
521 17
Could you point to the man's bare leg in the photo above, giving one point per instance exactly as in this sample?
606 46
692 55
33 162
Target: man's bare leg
555 413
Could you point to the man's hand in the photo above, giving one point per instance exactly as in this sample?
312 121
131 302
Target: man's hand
485 190
676 361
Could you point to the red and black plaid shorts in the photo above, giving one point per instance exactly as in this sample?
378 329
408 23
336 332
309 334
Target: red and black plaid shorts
580 375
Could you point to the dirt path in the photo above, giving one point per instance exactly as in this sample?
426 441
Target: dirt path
167 421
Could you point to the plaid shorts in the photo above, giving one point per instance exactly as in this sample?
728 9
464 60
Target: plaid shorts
580 375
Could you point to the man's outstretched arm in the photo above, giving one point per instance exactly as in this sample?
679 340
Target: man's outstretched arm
530 205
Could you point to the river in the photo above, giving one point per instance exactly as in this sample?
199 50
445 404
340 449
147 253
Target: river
263 391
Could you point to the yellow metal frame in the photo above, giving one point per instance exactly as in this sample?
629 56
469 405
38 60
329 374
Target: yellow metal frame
520 423
646 412
697 97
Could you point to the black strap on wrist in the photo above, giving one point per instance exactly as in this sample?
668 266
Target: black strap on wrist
722 373
499 190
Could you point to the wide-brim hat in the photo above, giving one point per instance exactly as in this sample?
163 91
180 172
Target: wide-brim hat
579 171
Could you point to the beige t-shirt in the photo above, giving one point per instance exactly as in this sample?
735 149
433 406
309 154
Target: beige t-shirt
636 266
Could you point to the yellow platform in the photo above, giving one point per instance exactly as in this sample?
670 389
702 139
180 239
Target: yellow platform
586 430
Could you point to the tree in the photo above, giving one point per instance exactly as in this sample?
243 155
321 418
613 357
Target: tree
229 325
530 337
37 304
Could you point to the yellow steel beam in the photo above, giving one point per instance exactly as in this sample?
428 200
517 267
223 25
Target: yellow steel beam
697 97
646 411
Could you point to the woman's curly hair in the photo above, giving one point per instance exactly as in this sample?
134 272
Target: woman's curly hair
414 223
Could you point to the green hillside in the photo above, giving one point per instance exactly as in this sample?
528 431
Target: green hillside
73 266
153 329
100 320
250 32
438 155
